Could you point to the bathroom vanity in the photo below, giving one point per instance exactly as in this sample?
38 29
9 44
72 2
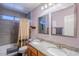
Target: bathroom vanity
44 48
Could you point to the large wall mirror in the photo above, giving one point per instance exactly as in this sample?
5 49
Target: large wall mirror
43 24
64 22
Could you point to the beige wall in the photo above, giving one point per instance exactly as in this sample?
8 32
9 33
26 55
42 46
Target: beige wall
71 41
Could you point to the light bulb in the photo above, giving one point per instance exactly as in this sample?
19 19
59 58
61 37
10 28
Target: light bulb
50 4
42 8
45 5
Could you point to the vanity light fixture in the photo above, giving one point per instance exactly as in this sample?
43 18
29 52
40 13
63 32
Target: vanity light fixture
47 5
50 4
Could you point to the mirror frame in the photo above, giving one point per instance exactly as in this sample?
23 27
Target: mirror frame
75 22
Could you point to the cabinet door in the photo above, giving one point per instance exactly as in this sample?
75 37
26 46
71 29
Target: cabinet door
33 54
33 50
28 52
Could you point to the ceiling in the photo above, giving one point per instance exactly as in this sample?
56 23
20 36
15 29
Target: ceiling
20 7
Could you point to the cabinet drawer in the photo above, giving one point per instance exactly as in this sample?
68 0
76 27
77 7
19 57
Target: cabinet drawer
33 54
33 50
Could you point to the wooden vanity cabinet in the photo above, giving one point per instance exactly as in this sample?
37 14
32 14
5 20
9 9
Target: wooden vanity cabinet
31 51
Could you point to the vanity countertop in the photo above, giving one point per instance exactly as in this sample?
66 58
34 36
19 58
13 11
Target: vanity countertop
50 49
46 48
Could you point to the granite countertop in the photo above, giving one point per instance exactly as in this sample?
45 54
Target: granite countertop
50 49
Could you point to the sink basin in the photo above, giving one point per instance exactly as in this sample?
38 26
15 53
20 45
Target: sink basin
35 42
56 52
70 52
